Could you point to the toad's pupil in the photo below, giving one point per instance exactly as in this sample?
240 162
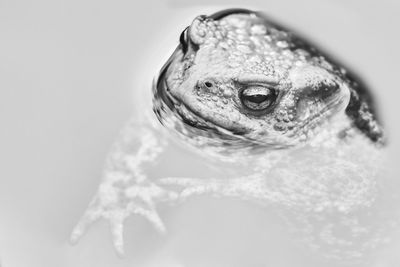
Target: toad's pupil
256 98
183 41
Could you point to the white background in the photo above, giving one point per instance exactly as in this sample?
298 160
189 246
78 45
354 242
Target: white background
67 72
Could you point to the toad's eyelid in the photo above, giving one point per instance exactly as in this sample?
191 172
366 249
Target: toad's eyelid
257 78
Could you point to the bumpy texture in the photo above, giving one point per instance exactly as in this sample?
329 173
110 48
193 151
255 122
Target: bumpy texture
219 59
281 123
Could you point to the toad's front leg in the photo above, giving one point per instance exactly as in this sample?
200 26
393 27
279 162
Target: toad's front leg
252 187
125 189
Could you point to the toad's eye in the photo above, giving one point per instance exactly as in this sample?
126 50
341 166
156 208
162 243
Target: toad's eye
184 41
258 98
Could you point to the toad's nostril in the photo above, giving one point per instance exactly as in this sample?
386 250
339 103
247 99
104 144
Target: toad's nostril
208 84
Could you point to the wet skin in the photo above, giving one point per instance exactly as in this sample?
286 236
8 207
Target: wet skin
240 89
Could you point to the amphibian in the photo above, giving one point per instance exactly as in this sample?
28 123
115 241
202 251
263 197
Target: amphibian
242 90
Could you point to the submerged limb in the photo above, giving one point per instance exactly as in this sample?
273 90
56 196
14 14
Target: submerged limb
125 189
248 187
117 204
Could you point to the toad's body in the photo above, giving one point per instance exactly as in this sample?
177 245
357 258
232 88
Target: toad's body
243 90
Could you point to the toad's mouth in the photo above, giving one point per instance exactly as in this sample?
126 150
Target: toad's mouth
189 116
195 119
192 118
